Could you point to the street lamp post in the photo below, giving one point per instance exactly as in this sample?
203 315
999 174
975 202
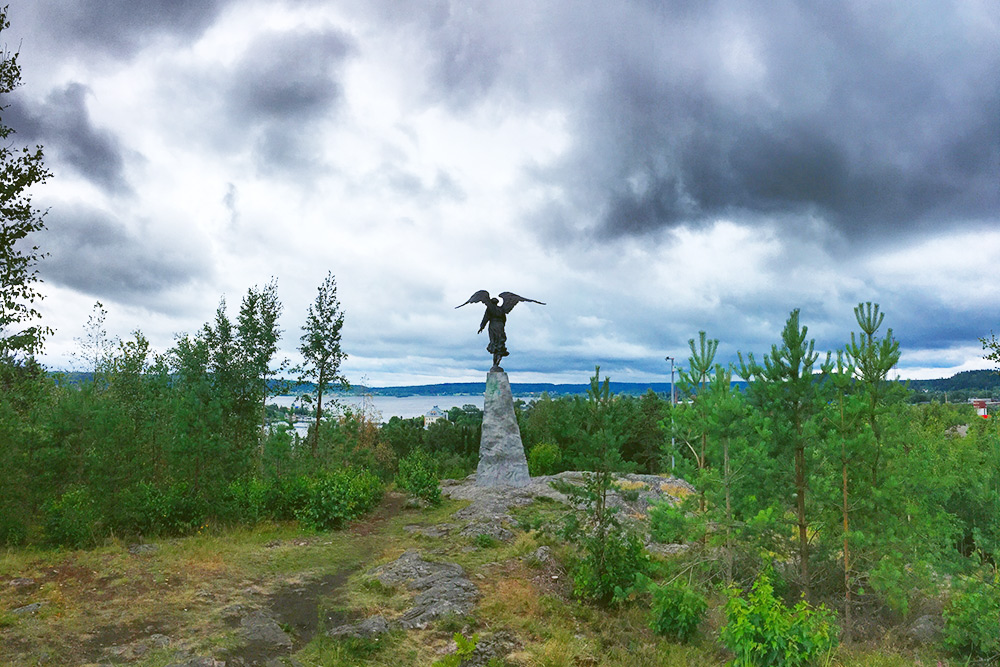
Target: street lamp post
673 404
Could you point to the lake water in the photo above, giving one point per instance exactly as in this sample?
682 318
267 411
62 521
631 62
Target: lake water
394 406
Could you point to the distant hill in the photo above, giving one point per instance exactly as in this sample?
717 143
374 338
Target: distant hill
966 380
970 381
518 389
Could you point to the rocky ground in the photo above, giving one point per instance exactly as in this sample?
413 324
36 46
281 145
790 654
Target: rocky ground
391 589
265 620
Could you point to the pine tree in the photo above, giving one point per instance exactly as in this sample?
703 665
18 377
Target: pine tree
872 359
698 374
784 386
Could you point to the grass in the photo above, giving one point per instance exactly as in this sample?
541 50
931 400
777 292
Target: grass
188 587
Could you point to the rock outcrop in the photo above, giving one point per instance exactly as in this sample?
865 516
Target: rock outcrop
501 453
443 590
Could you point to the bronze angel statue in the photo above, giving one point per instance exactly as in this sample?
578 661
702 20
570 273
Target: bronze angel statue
496 318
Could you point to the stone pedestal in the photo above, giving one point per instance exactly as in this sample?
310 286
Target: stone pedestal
501 454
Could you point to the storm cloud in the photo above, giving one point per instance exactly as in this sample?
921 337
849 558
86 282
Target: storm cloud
119 28
63 125
879 118
648 169
92 252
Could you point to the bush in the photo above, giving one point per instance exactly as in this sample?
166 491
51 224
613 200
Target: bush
667 524
972 618
417 477
149 510
284 497
762 632
13 532
138 511
246 501
182 510
484 541
464 650
543 459
677 610
608 569
72 520
339 497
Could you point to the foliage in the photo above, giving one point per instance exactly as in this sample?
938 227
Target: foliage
72 519
677 610
992 347
667 524
20 169
613 556
320 347
339 496
972 618
464 649
544 459
762 632
784 390
416 476
611 561
13 532
485 541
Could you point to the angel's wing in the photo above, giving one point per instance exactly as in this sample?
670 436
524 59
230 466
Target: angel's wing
510 300
482 296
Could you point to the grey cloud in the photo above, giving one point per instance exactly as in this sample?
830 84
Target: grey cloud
121 28
62 125
283 83
92 252
289 77
881 118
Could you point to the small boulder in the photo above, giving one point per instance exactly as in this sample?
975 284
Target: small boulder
140 549
28 608
260 628
925 630
370 627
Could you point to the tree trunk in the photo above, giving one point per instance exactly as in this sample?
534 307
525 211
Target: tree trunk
800 507
847 559
319 414
729 513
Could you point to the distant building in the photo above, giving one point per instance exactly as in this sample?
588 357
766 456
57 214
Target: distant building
433 415
982 405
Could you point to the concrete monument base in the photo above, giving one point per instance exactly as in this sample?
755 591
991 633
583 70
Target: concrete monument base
501 454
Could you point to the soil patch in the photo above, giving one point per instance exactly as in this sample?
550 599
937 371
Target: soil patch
300 610
391 505
96 644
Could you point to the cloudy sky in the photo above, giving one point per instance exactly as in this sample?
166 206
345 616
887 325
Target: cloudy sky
649 168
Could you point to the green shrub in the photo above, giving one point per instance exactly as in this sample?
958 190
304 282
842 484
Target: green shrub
543 459
338 497
677 610
148 510
417 477
182 511
245 501
283 497
72 520
484 541
609 566
762 632
972 618
13 532
138 510
464 649
667 524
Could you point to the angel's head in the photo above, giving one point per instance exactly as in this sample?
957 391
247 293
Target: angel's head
496 301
